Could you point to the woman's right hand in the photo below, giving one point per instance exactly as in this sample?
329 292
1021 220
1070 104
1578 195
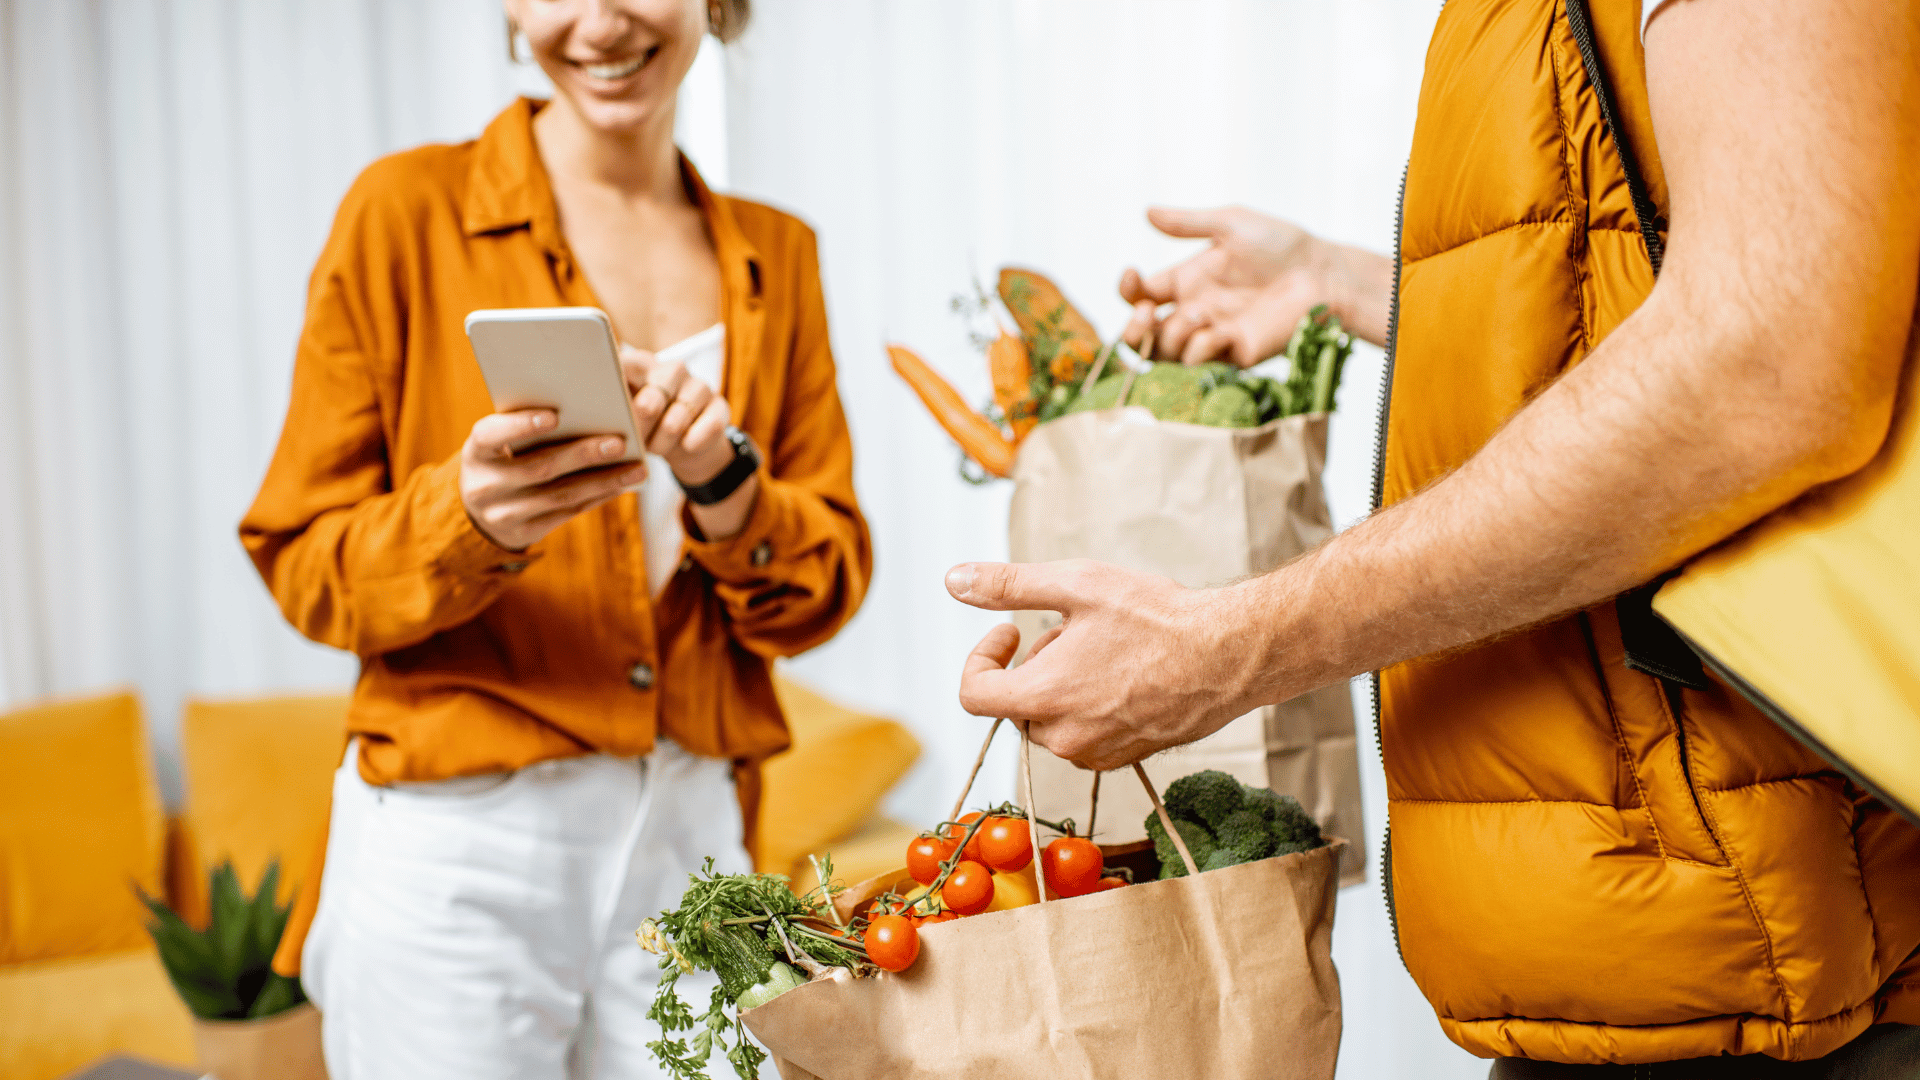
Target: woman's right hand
515 499
1242 297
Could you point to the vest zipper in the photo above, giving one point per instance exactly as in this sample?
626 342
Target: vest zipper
1379 494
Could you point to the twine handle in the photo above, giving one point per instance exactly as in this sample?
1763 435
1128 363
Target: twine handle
1033 812
1093 804
1165 821
961 802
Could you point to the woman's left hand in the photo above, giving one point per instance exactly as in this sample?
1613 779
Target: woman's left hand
678 416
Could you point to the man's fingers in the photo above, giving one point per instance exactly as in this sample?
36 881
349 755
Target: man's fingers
1193 224
1206 344
494 433
1054 586
984 689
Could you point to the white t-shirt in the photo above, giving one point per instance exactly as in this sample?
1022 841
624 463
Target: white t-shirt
704 354
1647 8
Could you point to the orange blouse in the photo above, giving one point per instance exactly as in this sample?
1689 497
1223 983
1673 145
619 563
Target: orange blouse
477 659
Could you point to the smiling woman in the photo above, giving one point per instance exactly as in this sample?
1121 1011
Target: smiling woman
565 691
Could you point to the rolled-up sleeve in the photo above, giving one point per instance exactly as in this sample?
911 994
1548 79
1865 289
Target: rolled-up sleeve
356 558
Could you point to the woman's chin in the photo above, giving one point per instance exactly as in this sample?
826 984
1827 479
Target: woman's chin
614 115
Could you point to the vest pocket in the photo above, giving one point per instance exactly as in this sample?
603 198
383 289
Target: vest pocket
1653 740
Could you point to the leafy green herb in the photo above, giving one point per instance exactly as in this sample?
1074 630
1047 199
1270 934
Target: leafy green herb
745 928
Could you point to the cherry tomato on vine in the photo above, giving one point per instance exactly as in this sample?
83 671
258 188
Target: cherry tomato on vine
944 916
969 889
925 855
1006 844
1072 865
892 942
959 829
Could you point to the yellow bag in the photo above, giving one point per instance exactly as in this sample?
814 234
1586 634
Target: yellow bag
1814 612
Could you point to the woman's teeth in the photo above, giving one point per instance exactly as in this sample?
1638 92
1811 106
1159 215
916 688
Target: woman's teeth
615 71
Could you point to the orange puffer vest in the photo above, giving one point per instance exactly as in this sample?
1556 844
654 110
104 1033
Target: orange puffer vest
1585 865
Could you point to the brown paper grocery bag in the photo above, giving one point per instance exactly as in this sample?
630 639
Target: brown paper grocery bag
281 1047
1218 975
1203 506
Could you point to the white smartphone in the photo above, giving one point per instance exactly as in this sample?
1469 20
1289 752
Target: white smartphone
559 358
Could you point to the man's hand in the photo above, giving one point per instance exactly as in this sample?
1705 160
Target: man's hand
1139 663
515 499
1241 298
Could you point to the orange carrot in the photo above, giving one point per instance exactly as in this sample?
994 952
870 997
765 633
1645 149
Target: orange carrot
1012 371
975 433
1041 309
1074 360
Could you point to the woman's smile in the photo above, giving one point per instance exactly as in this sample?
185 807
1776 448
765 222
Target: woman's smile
613 71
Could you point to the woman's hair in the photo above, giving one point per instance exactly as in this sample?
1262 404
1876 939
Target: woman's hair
729 17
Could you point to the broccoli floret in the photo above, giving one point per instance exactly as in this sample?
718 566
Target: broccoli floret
1230 406
1206 797
1220 860
1103 394
1170 391
1293 829
1199 844
1245 836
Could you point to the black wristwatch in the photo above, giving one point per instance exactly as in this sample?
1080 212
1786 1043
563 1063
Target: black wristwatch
746 459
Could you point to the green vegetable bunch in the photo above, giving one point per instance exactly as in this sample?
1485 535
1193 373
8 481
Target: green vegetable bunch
225 972
1224 823
1218 394
745 928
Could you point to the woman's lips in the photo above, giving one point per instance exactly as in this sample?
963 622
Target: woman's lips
615 70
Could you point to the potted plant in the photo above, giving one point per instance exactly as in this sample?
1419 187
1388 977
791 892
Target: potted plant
250 1022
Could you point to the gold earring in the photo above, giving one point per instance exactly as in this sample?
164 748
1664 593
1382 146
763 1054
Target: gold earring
513 41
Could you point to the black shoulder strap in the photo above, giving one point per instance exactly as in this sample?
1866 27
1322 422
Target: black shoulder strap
1651 645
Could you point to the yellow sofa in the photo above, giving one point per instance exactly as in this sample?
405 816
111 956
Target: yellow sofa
81 821
81 824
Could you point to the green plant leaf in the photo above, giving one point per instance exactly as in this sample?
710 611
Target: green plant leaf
228 929
266 919
278 995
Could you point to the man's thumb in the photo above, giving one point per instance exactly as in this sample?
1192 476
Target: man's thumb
1200 224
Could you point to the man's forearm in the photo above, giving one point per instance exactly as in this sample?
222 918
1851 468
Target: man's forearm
1574 501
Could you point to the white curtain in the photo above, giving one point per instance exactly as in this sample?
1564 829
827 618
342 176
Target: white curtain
169 169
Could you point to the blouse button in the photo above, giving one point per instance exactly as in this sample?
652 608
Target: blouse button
762 554
641 676
686 563
513 567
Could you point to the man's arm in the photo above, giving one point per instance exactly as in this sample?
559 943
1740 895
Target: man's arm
1764 362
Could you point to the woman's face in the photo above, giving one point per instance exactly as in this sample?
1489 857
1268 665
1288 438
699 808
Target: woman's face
619 62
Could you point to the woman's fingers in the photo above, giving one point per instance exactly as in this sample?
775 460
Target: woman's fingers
687 405
709 428
493 435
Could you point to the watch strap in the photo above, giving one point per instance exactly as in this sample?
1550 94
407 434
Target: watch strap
746 461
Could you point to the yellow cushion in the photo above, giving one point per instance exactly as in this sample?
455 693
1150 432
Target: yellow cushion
842 763
80 824
60 1015
875 849
259 778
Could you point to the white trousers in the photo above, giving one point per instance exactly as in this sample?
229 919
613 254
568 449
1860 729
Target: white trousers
482 927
